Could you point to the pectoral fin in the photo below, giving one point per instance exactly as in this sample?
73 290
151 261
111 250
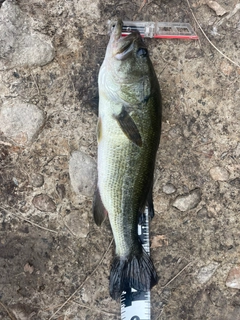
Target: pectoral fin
129 127
99 212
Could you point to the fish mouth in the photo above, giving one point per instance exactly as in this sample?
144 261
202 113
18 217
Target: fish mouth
123 46
117 29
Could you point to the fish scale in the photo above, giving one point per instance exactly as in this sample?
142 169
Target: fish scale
116 172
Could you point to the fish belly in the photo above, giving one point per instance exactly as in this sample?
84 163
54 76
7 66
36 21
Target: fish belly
118 164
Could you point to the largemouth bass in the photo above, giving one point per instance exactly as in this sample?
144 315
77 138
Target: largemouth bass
128 134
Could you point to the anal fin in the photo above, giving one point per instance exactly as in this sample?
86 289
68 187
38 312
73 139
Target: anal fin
99 211
150 206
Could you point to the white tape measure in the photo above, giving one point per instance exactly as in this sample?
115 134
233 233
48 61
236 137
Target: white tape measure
137 305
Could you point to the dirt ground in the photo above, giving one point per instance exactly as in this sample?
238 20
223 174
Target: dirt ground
41 268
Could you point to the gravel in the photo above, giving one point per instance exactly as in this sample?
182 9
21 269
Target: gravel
83 173
20 45
206 272
233 278
20 121
219 174
44 203
188 201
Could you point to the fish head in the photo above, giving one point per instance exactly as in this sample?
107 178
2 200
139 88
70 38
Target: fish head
127 58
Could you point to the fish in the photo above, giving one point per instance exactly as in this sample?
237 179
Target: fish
128 136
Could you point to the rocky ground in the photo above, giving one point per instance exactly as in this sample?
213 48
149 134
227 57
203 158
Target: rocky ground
50 248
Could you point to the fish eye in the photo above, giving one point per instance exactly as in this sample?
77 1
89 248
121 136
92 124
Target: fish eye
142 52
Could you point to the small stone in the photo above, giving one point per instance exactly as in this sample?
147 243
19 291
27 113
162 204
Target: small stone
21 311
233 278
237 151
219 174
220 11
226 68
169 188
78 223
20 121
193 53
175 132
203 213
188 201
28 268
37 180
159 241
60 188
44 203
83 173
206 272
235 182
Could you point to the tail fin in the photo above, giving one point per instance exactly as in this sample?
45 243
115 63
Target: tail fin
136 272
